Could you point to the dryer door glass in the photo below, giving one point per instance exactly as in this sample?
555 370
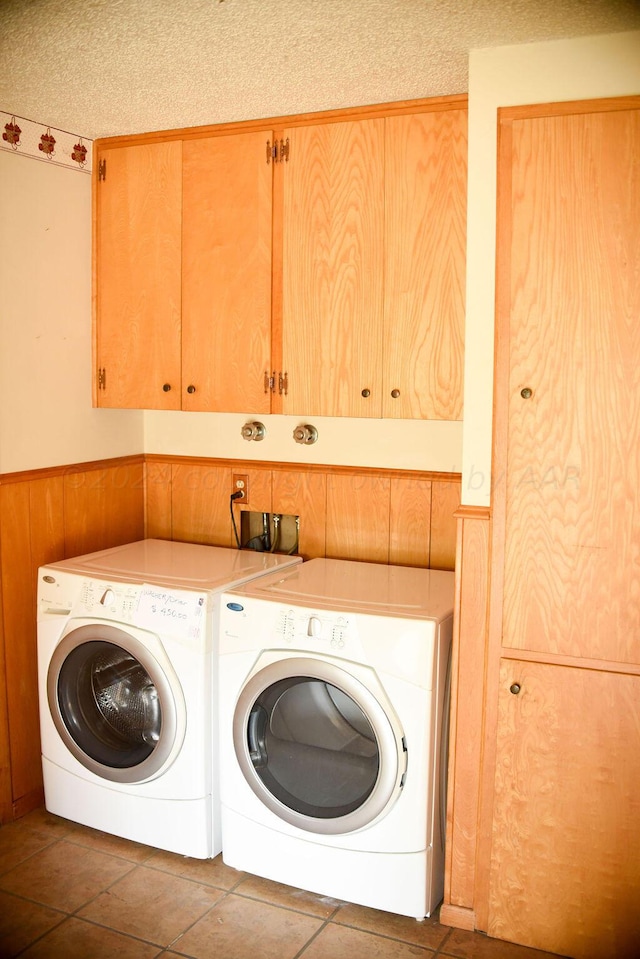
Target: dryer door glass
112 704
313 747
317 746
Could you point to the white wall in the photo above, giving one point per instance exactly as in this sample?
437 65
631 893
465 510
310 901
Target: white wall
46 418
589 67
396 444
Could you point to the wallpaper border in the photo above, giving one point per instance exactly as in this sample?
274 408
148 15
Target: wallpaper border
41 142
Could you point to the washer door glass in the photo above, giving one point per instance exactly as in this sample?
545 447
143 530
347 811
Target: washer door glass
111 703
317 746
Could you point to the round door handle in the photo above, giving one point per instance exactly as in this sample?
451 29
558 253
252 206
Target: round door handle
365 393
526 393
515 688
395 394
191 389
167 387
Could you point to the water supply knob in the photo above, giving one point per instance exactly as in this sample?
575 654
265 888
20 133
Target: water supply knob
305 434
253 431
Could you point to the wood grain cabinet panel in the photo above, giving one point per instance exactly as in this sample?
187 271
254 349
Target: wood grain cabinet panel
424 265
137 259
572 302
226 273
333 225
567 814
183 275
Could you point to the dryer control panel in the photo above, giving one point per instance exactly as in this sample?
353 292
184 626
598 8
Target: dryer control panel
301 626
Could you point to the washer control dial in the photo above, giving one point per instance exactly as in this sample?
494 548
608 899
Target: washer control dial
314 627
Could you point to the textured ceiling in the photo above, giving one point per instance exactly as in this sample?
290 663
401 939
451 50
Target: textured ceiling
106 67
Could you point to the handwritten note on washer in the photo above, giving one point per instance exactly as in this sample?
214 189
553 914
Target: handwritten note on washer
170 612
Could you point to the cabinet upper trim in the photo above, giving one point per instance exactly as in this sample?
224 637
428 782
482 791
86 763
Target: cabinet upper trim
397 108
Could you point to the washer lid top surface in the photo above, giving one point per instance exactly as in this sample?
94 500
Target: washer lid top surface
374 588
168 563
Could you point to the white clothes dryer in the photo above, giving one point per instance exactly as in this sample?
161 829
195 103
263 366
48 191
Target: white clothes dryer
127 645
333 719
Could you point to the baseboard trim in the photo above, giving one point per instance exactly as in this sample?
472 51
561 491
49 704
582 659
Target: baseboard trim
460 917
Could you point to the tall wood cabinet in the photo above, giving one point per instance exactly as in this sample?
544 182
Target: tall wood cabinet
560 817
306 265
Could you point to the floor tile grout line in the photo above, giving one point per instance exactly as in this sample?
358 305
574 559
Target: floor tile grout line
301 951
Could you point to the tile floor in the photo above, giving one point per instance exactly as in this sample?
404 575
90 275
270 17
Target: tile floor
69 892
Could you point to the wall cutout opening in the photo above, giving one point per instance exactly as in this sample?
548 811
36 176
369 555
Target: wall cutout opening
269 532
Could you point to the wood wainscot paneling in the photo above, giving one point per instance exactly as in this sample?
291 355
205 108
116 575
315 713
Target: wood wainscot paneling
465 740
372 515
47 515
304 494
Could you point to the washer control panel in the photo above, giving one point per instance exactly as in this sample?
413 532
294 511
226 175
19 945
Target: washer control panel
61 594
312 628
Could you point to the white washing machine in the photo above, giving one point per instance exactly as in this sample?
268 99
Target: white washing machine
127 645
333 719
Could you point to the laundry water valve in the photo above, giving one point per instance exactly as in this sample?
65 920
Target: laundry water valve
305 434
253 431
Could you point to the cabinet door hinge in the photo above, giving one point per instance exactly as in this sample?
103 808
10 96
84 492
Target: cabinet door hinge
284 150
102 378
102 169
283 383
269 381
279 152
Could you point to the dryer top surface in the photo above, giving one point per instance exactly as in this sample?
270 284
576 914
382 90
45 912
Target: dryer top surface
372 588
183 565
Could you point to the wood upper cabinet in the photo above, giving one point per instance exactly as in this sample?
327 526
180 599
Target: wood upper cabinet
374 266
226 274
326 280
137 260
183 275
333 261
424 265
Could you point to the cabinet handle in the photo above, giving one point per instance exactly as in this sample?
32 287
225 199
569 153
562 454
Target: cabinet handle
526 393
395 394
167 387
365 393
515 688
191 389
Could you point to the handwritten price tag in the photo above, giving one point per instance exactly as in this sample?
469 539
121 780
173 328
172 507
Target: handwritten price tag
170 612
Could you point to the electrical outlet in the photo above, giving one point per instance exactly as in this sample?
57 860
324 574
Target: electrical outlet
241 484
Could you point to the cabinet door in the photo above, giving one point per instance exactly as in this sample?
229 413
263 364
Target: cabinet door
226 273
137 262
566 827
424 264
570 302
333 268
